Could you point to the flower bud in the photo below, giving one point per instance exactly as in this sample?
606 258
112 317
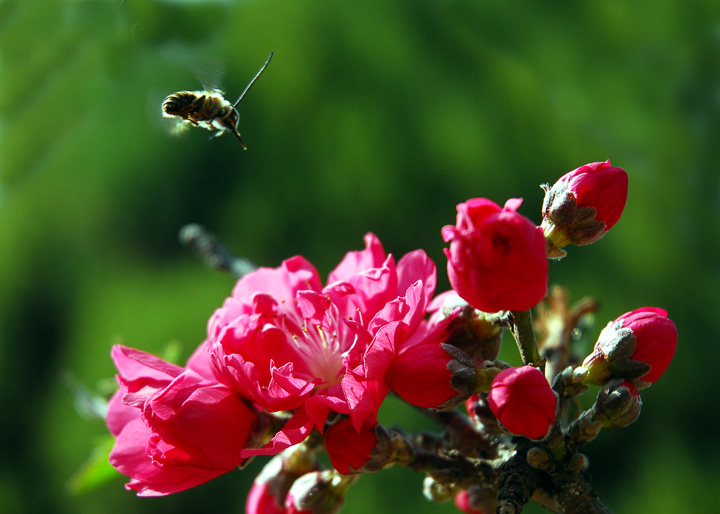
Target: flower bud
497 257
638 346
319 492
471 330
478 409
477 500
583 204
271 486
618 404
352 452
437 376
523 401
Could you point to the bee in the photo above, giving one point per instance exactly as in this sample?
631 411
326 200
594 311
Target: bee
208 109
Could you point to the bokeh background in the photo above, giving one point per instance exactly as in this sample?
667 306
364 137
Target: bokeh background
379 116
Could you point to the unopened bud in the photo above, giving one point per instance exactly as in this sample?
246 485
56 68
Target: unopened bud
477 500
569 382
319 492
472 331
638 347
577 464
582 205
270 488
538 458
432 375
351 451
618 404
523 402
481 415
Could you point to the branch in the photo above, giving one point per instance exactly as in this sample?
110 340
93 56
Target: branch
213 251
522 329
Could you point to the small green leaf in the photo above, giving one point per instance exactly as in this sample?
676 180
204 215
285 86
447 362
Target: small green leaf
95 471
88 404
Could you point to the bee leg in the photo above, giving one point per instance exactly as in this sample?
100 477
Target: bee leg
216 134
237 135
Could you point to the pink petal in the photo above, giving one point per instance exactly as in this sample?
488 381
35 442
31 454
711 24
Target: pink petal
357 262
135 364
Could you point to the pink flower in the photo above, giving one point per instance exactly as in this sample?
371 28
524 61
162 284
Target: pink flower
286 342
584 204
523 401
175 429
497 258
637 346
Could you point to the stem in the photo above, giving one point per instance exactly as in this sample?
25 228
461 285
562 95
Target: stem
213 251
461 435
522 329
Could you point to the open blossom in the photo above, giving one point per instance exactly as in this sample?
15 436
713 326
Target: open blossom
523 401
497 257
174 427
637 346
285 341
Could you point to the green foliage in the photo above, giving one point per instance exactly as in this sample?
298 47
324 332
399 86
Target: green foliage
96 470
373 116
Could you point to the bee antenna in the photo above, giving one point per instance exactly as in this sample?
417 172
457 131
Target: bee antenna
253 80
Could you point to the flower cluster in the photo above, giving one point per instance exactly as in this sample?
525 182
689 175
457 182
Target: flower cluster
284 343
292 365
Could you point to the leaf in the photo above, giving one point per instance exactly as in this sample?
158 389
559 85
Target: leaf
96 470
88 404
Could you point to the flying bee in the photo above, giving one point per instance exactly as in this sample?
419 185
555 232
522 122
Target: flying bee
208 109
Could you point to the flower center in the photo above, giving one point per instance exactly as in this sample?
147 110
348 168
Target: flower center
319 343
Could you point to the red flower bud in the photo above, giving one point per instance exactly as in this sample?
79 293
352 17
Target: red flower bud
584 204
351 451
437 376
497 257
477 500
638 346
523 401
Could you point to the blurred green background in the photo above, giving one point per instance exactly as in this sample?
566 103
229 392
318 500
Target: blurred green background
379 116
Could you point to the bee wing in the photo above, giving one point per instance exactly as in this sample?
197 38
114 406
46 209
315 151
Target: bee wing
210 74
